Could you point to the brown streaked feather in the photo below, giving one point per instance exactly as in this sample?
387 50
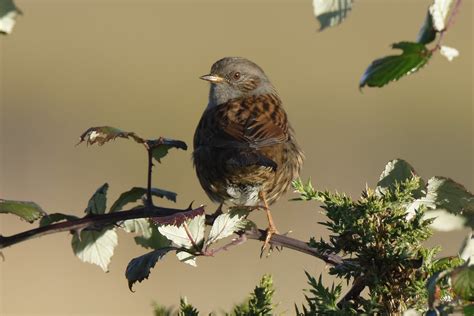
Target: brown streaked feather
256 121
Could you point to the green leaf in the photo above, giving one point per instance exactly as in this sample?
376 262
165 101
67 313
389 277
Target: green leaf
225 225
153 239
179 236
462 280
331 12
160 147
390 68
96 247
56 217
136 193
8 14
98 201
396 171
260 300
29 211
103 134
427 32
186 309
139 268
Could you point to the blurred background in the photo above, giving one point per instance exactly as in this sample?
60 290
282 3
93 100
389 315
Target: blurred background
70 65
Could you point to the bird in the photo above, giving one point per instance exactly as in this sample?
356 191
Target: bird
245 151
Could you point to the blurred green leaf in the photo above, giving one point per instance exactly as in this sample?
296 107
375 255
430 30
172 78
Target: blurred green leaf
462 280
96 247
103 134
331 12
139 268
186 309
97 203
56 217
427 32
29 211
390 68
136 193
8 14
259 301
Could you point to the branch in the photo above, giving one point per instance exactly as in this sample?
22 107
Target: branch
98 221
170 215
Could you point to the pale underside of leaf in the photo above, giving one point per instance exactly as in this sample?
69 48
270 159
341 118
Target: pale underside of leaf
96 247
8 14
224 226
467 249
179 236
445 221
331 12
187 258
439 11
449 52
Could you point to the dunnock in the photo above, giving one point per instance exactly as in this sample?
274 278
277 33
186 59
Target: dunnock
245 150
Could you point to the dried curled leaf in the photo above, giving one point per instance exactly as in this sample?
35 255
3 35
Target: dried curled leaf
103 134
29 211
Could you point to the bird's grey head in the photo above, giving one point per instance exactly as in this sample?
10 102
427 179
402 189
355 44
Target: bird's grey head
236 77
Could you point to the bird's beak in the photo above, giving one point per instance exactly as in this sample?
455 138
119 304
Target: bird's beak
212 78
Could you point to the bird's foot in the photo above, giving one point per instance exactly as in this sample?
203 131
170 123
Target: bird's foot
267 246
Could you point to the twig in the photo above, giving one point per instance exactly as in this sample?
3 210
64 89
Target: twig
150 169
358 286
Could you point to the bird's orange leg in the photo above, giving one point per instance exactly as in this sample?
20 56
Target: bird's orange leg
271 226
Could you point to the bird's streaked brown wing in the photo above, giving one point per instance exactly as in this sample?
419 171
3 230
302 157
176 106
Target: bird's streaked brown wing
253 122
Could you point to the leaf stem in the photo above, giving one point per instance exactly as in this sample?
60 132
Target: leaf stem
149 198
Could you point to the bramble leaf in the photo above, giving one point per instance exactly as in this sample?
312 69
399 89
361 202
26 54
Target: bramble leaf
439 11
396 171
161 146
185 257
29 211
331 12
139 268
56 217
97 203
195 227
427 32
384 70
136 193
8 13
96 247
225 225
103 134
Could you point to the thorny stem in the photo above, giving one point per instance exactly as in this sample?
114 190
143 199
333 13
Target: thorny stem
150 169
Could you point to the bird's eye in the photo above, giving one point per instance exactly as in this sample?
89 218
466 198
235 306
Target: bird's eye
237 75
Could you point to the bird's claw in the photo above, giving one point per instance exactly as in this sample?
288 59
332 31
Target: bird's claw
266 244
